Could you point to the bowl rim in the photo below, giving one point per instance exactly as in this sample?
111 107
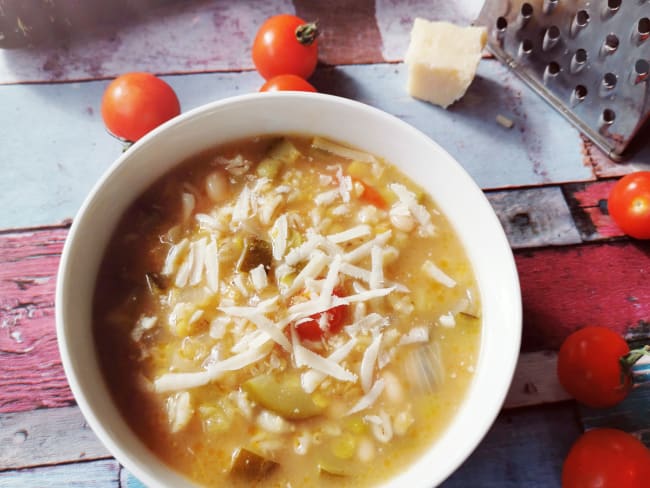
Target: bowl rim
491 407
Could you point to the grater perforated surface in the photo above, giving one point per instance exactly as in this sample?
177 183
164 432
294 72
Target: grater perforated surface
590 59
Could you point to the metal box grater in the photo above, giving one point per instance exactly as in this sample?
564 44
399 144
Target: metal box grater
590 59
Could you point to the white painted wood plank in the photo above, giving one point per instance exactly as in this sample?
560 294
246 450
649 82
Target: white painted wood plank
47 436
49 163
535 381
182 37
535 217
96 474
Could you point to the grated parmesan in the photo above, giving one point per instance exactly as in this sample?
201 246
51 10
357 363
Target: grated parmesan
278 234
438 275
369 399
312 378
183 381
418 211
258 277
173 256
368 362
350 234
305 357
212 266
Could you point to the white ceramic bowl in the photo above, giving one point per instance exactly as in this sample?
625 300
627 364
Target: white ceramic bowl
351 122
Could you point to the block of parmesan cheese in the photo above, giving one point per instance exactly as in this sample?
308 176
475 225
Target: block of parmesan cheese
442 59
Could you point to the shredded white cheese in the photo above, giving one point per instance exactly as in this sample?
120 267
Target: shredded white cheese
438 275
179 410
377 267
343 151
368 362
198 249
327 197
415 335
212 266
272 330
183 381
369 399
174 255
259 278
315 265
278 234
350 234
312 378
305 357
364 249
418 211
242 206
447 320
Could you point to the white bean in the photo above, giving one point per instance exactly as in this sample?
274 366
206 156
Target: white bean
216 185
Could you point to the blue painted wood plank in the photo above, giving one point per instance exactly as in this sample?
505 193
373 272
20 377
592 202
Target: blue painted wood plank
541 148
54 146
631 415
524 448
180 37
176 36
96 474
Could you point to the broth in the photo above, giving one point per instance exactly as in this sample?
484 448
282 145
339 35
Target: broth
260 310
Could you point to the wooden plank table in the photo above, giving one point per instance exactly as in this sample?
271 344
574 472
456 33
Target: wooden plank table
547 184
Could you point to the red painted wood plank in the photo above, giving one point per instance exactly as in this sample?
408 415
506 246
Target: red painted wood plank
566 288
588 205
563 288
349 30
637 160
31 373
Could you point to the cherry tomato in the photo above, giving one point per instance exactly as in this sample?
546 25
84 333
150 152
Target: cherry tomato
606 458
594 366
287 83
286 44
136 103
310 329
629 204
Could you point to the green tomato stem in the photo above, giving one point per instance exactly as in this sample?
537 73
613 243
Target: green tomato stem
630 359
307 33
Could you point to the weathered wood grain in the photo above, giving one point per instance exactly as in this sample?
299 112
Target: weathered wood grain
96 474
172 36
60 435
535 381
47 436
395 19
588 204
32 375
563 288
637 160
525 447
58 159
349 33
178 37
570 287
535 217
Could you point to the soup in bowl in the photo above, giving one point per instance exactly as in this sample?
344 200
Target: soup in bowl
288 290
